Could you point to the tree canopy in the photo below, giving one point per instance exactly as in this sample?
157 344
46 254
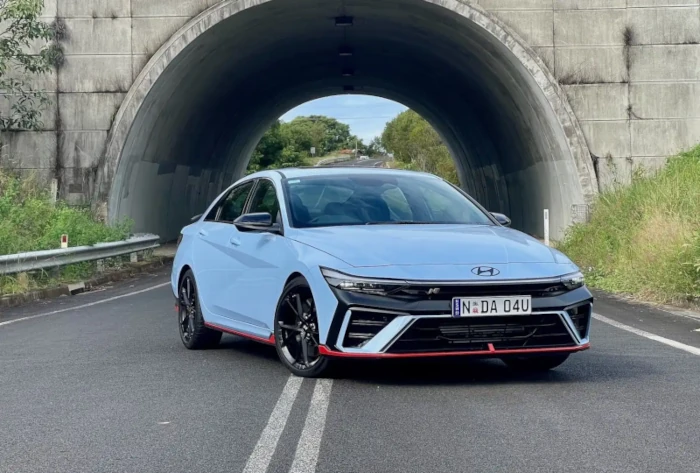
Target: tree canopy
416 145
22 35
289 143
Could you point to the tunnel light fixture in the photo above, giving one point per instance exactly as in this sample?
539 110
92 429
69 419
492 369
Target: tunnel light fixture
345 51
348 72
343 21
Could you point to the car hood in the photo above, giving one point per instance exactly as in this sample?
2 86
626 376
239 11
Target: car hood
398 245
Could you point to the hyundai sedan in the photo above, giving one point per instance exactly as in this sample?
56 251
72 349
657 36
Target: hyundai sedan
328 263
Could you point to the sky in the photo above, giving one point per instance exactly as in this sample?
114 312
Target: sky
366 115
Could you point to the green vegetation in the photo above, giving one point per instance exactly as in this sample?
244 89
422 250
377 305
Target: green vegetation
644 239
28 48
288 144
30 221
417 146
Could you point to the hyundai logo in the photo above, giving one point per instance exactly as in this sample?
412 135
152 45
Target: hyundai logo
486 271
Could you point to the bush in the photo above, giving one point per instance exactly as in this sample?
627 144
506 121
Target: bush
29 221
644 239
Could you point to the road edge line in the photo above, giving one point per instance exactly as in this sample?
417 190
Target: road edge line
83 306
666 341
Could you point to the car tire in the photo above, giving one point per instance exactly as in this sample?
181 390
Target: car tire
294 328
195 335
536 363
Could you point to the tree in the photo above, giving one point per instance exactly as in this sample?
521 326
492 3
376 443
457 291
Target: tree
416 145
375 147
24 33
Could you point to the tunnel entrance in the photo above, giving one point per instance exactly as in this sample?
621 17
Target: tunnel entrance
188 126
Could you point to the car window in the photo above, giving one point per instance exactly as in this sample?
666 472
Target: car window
232 207
265 199
366 199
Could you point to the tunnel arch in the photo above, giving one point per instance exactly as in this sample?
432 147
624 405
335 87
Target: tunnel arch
194 114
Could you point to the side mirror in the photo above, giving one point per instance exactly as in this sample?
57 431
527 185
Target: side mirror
502 219
261 221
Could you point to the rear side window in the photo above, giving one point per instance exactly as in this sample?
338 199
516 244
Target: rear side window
232 205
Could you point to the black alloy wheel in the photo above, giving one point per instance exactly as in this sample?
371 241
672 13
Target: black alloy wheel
296 331
193 333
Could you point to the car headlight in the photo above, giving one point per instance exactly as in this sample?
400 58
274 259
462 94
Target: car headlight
573 281
346 282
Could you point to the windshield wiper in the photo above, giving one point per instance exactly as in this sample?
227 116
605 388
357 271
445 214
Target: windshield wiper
399 222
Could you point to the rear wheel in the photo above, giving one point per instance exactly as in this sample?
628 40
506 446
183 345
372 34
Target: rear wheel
536 362
296 331
193 333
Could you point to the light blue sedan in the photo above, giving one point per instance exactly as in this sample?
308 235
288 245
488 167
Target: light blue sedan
327 263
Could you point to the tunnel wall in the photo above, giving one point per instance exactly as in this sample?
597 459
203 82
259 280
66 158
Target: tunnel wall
629 68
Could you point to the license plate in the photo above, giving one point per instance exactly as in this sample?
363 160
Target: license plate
488 306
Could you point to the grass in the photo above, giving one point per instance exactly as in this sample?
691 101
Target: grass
644 240
30 221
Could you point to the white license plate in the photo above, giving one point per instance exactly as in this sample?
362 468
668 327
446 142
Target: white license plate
487 306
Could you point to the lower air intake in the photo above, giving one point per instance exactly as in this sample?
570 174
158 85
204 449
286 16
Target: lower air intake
476 333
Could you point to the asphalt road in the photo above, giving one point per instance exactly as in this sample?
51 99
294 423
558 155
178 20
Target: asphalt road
367 163
101 383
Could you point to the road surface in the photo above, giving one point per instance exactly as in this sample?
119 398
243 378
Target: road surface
367 163
101 383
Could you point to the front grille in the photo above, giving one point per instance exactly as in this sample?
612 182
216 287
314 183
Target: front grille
363 326
433 334
581 316
447 292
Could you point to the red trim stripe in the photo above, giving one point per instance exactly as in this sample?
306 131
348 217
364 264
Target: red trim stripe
324 350
267 341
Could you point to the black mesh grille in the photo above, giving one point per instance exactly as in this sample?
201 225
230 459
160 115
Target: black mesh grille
363 326
581 316
447 292
475 333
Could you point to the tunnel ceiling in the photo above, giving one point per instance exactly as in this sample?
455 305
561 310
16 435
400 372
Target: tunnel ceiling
188 127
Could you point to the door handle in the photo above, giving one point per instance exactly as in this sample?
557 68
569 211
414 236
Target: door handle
235 242
203 232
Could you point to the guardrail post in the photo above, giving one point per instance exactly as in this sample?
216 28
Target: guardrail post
100 266
134 257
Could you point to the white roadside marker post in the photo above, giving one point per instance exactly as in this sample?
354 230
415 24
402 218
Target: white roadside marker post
64 241
546 227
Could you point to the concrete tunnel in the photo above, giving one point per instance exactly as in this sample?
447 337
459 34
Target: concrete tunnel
189 124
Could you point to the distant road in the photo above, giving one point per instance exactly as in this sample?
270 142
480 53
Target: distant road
367 163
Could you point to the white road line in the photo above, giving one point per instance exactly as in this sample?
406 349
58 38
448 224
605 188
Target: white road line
67 309
262 454
650 336
309 445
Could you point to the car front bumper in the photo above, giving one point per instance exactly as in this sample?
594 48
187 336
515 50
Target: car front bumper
368 326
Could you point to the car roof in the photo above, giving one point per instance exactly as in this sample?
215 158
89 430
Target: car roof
299 172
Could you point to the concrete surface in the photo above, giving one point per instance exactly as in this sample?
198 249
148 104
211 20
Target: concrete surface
110 388
194 94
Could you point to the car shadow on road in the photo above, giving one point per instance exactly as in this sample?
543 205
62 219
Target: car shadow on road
471 371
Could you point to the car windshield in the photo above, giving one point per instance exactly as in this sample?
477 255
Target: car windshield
382 199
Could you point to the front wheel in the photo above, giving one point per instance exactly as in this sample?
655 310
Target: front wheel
296 331
536 362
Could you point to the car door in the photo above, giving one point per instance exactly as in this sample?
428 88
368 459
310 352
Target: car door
271 258
218 258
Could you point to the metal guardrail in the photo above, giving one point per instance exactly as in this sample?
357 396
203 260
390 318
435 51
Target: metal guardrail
339 159
33 260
